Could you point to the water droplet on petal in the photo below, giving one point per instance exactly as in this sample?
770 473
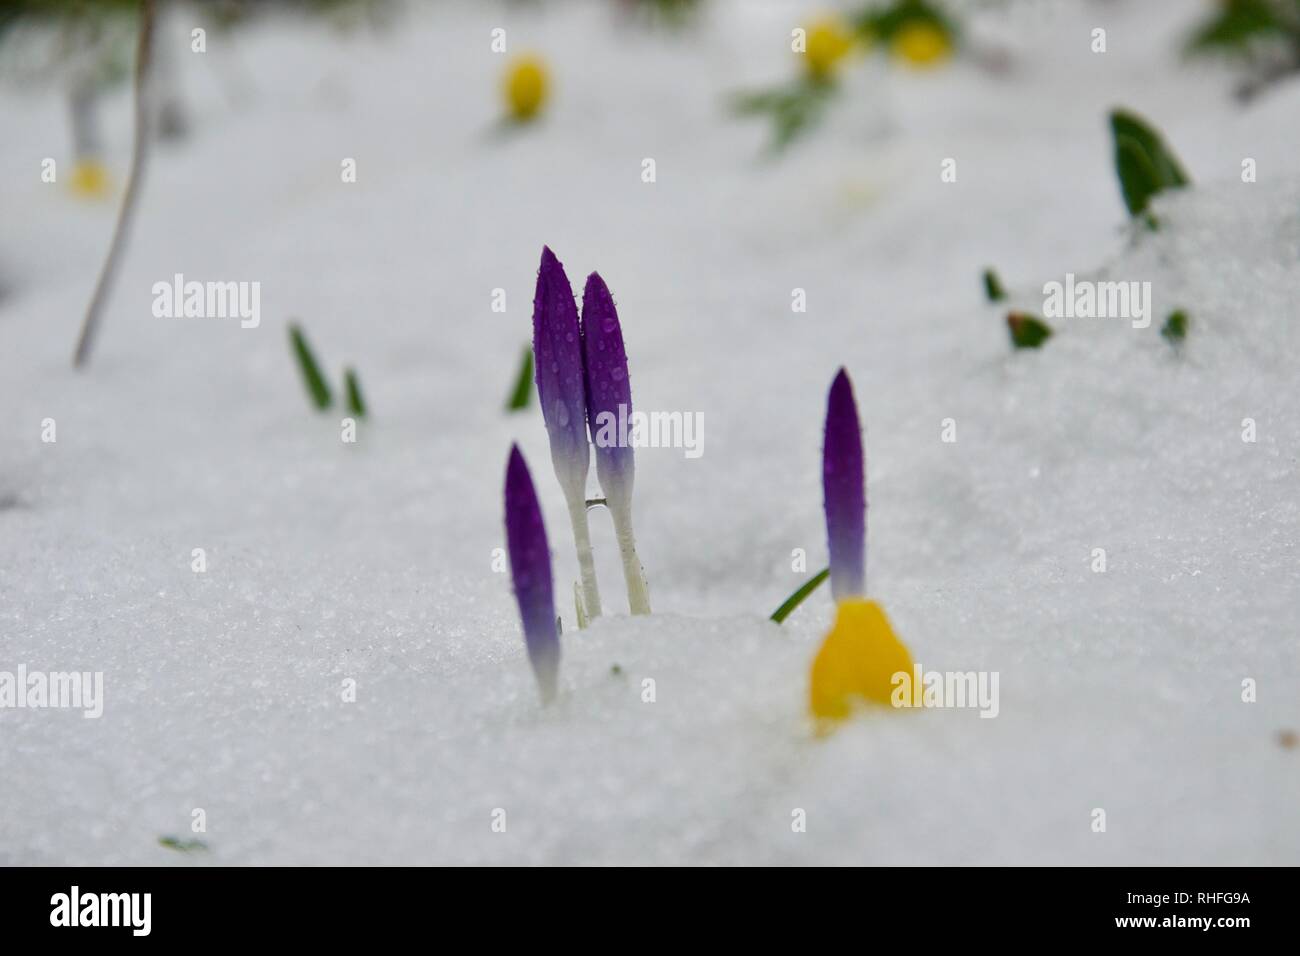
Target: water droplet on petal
617 374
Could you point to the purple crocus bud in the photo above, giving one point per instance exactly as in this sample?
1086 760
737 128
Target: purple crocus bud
557 354
562 393
530 569
609 409
845 492
609 391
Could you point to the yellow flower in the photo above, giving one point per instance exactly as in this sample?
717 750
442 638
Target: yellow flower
857 661
90 179
526 84
921 43
828 41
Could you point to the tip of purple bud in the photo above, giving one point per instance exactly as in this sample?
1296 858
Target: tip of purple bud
844 491
530 570
557 361
609 389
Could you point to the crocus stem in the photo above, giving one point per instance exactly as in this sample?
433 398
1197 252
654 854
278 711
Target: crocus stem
586 563
139 155
638 597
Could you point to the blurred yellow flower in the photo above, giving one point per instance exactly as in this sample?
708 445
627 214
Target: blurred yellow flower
922 44
857 661
526 84
90 179
828 41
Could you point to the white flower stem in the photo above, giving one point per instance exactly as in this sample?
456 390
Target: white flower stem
582 542
638 595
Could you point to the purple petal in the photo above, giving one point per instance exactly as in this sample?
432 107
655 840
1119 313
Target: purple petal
557 354
530 568
845 491
609 390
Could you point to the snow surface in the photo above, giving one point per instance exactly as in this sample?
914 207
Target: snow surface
374 562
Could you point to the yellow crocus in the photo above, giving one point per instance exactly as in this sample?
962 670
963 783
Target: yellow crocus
90 179
527 82
857 661
921 43
828 41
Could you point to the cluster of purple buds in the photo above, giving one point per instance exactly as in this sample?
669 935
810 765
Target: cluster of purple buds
582 382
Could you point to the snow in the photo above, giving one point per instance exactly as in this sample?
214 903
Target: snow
373 562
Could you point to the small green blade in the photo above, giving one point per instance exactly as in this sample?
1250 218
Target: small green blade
797 598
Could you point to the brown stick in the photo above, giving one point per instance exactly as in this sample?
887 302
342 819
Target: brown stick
139 152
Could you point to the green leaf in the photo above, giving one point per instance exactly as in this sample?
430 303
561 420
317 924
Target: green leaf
1027 331
522 393
794 110
1138 179
880 23
993 290
1169 172
356 404
311 373
184 846
795 599
1175 328
1238 23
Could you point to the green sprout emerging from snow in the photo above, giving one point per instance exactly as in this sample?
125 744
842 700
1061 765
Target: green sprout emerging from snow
1027 331
797 598
1175 328
993 290
312 376
523 388
356 404
181 846
1144 165
318 388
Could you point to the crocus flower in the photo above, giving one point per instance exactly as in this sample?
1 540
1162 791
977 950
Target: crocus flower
844 492
530 569
609 407
561 391
860 656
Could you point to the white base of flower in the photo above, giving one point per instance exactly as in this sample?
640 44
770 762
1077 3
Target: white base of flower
586 564
638 594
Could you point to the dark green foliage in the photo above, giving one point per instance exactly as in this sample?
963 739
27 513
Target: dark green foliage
522 393
317 387
1238 23
1124 123
794 109
1143 163
1175 327
356 404
797 598
1138 179
183 846
993 290
1027 331
881 22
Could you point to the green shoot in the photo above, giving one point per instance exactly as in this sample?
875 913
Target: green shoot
356 404
183 846
1143 163
1175 328
993 290
1027 331
797 598
522 393
311 373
